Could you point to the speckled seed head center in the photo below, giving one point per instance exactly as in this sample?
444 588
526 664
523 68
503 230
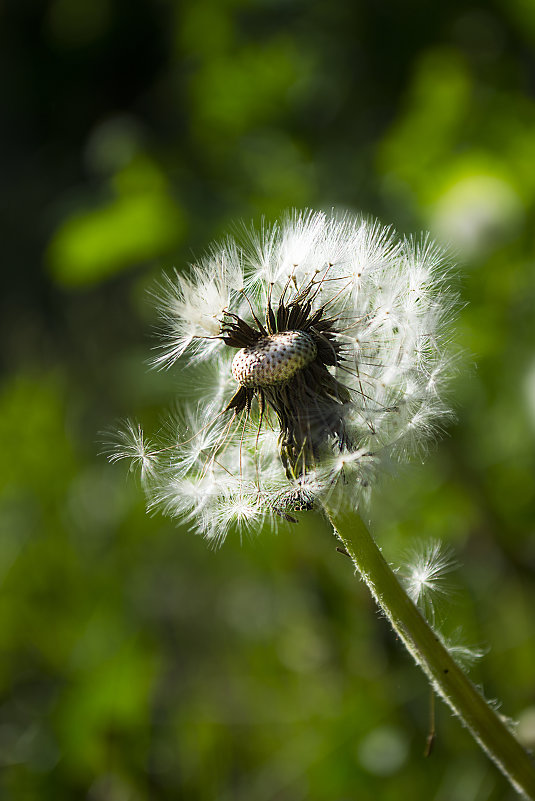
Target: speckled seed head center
273 359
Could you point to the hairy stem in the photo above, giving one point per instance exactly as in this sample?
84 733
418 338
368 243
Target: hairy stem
446 678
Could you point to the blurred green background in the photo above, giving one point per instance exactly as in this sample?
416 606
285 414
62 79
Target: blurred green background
135 662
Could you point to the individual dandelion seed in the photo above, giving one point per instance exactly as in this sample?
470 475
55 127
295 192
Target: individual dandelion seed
325 337
464 653
129 442
424 574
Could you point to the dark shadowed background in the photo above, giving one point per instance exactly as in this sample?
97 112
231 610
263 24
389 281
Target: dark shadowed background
135 662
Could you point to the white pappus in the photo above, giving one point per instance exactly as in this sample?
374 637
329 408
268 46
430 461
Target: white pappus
325 338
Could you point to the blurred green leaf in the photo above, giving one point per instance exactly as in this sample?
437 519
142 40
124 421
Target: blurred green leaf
142 223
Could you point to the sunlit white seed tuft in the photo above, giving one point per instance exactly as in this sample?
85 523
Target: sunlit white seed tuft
343 387
273 359
424 575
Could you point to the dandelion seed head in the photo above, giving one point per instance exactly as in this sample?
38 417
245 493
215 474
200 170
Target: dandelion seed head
323 346
273 359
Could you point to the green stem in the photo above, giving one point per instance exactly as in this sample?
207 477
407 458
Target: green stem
447 679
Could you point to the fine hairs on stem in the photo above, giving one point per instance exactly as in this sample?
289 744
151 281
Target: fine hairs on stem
425 646
324 342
